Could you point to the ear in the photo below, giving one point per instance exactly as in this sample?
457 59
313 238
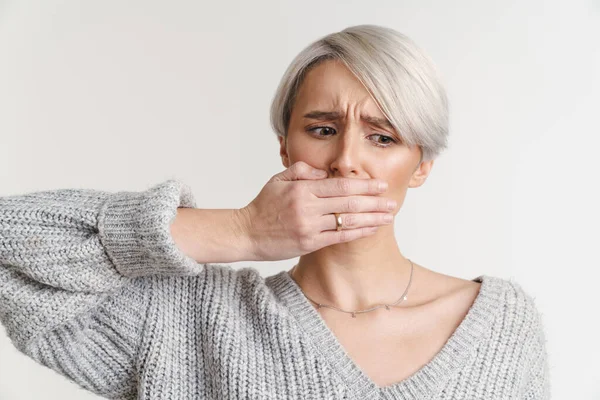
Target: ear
285 160
421 173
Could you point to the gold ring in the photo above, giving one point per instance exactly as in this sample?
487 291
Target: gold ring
338 221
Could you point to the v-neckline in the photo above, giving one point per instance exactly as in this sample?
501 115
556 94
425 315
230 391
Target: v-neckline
429 379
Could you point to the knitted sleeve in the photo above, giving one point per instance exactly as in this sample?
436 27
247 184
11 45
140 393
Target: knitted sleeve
73 277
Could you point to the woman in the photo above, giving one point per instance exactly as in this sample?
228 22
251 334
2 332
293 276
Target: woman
127 295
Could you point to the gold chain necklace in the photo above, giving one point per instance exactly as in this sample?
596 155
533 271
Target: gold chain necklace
387 306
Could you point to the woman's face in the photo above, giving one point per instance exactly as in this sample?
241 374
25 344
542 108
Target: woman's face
337 127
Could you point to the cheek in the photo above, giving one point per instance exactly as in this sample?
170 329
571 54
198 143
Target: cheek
397 171
301 148
398 177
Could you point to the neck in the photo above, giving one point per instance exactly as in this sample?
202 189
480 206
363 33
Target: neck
355 275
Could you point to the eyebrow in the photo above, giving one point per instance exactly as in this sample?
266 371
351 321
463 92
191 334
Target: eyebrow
329 115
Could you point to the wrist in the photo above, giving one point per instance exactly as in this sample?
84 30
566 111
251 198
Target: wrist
242 228
212 235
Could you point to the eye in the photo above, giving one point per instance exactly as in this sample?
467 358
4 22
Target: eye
388 140
326 128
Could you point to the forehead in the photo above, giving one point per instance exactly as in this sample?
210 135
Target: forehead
332 86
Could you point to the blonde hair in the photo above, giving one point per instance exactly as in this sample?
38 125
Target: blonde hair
400 77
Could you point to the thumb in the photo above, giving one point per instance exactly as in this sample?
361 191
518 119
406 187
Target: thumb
300 170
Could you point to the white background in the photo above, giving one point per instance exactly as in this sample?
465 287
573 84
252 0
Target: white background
121 95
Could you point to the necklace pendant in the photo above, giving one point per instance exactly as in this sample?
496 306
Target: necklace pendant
405 297
353 315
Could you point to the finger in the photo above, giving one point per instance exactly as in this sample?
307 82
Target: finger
335 187
354 221
300 171
355 204
329 238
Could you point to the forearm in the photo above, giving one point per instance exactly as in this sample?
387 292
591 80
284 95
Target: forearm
67 259
211 235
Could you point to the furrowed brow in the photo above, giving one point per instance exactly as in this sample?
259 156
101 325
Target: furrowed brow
323 115
380 122
329 115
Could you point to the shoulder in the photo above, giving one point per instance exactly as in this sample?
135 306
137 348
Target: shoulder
523 326
506 301
517 314
520 305
507 292
513 322
432 286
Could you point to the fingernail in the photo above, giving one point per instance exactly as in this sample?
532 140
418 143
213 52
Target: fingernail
391 204
383 186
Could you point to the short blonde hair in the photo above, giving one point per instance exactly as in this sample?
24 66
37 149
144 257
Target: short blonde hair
400 77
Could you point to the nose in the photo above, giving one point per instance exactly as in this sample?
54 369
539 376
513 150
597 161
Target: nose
345 161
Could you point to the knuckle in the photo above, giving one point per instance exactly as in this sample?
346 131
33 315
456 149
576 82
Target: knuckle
343 236
294 193
344 185
345 207
294 206
303 229
383 204
297 190
353 204
301 166
296 168
373 186
300 221
349 220
297 204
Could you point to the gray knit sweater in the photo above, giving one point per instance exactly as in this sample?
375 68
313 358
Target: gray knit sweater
93 286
